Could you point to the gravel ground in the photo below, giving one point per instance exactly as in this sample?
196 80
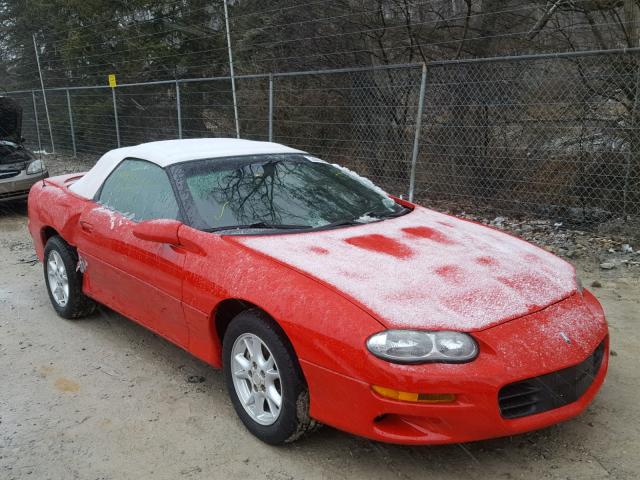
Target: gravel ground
103 398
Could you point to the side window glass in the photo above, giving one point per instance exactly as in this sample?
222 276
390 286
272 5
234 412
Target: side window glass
140 191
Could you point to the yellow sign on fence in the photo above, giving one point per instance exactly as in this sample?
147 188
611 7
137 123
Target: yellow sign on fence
112 80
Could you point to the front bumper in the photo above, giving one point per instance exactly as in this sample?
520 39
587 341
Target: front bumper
514 351
17 187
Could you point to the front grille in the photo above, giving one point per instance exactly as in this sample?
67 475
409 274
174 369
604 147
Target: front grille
16 193
553 390
9 173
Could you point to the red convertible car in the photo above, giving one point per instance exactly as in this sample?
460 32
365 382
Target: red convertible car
322 298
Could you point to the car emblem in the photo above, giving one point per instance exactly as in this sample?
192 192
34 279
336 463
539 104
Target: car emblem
566 339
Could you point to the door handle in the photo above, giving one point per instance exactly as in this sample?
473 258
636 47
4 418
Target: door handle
86 226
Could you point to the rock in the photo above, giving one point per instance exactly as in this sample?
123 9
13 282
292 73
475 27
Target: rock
596 284
195 379
626 248
498 221
607 265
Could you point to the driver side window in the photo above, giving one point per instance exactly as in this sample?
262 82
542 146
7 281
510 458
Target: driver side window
139 190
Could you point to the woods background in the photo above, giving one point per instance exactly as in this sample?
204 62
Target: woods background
506 124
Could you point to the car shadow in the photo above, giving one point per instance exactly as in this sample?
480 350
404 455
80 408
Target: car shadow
12 208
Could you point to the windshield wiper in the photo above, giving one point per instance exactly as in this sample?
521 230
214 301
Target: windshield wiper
261 225
381 214
339 223
372 213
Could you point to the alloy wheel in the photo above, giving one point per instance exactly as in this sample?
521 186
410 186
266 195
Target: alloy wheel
256 379
57 276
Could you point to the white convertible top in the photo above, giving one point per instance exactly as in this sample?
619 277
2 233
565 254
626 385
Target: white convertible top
168 152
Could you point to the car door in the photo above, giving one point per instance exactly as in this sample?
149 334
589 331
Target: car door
138 278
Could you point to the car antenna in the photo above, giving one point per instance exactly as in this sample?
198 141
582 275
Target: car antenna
44 184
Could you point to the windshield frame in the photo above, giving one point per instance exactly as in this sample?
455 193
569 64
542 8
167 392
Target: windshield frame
239 161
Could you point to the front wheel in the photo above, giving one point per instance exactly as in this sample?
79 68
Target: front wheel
264 380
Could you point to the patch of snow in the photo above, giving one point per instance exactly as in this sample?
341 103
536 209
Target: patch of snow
427 270
366 219
82 264
113 217
313 159
363 180
116 219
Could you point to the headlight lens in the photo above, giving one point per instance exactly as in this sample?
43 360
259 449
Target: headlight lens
37 166
414 346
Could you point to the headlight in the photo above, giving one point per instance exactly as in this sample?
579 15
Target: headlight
414 346
37 166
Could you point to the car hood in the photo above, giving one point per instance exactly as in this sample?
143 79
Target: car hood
426 270
10 120
13 156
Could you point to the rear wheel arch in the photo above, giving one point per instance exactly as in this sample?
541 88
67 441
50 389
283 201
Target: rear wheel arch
47 232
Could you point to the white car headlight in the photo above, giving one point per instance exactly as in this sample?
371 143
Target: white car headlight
37 166
416 346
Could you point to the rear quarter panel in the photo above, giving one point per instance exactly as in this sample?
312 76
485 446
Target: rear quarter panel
52 205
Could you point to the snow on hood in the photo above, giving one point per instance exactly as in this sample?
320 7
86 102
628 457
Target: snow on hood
427 270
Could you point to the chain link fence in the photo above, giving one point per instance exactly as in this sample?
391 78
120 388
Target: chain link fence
362 119
555 136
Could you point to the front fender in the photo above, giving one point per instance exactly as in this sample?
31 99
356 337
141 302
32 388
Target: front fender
324 327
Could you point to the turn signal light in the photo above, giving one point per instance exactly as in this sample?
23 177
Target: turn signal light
414 397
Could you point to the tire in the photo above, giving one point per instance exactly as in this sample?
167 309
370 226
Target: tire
58 253
292 420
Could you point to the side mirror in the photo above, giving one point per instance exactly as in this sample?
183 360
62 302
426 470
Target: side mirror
159 231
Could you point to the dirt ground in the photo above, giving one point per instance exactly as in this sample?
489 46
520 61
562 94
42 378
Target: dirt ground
103 398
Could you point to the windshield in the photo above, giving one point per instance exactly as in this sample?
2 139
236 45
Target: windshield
277 191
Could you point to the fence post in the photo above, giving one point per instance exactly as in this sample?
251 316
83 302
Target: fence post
71 127
631 153
179 109
44 94
233 78
271 107
115 115
35 114
416 138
